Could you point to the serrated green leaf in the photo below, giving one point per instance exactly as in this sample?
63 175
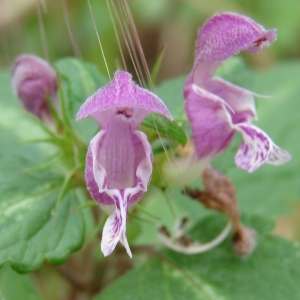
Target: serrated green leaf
217 274
166 128
16 182
34 234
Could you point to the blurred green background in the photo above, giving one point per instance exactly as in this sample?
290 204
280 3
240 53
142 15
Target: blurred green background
172 24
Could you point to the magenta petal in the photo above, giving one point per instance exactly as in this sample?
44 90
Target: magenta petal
122 95
227 34
210 122
95 176
257 148
240 101
221 37
118 158
116 155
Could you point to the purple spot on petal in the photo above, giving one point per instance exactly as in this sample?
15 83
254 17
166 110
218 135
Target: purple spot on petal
126 111
245 151
117 202
211 129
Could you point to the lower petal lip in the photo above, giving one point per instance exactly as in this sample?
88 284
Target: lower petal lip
257 149
114 154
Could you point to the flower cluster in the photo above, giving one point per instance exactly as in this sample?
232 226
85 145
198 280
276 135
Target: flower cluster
119 158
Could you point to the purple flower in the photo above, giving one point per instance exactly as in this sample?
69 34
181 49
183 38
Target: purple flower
119 158
33 81
216 108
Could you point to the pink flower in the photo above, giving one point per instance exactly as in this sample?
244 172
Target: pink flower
119 158
216 108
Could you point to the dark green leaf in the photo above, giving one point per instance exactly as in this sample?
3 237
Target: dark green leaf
166 128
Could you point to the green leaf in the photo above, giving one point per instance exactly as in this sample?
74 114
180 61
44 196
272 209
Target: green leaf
153 280
16 183
166 128
33 233
217 274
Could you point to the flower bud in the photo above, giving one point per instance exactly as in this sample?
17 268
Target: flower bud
34 81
